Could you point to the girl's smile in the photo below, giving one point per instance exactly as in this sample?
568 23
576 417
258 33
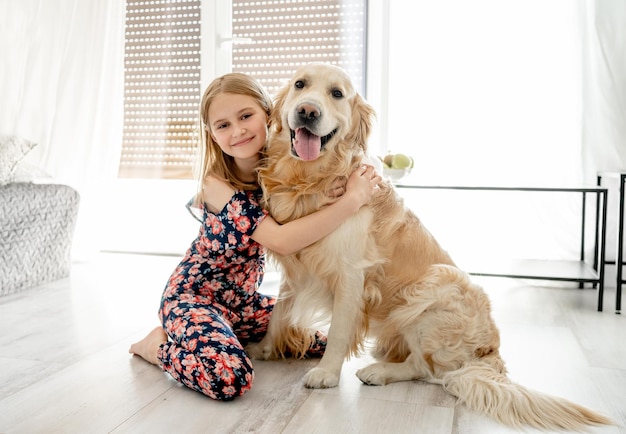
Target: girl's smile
243 142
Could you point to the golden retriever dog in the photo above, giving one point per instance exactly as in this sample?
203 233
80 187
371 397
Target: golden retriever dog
381 275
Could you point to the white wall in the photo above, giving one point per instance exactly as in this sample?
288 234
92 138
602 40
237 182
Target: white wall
148 216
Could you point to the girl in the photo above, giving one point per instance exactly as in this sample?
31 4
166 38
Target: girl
210 308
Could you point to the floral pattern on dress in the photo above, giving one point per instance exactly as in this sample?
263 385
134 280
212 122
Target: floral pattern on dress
211 309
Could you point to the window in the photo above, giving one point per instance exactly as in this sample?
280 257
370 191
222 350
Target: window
163 66
162 88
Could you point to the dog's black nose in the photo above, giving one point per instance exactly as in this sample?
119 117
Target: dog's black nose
308 111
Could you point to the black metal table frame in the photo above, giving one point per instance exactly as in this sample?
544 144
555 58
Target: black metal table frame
619 261
600 227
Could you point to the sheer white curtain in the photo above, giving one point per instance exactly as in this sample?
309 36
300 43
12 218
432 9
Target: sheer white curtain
604 99
604 109
61 86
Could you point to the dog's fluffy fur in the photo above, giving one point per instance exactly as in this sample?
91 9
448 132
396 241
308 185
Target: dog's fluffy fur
381 274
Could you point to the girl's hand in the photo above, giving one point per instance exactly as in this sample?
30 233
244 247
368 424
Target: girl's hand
338 188
362 184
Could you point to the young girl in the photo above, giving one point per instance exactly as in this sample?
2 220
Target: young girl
210 308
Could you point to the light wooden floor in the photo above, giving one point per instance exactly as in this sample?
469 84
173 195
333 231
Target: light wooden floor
64 366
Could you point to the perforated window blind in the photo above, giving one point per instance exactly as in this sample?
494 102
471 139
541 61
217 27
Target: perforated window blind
286 34
162 67
162 88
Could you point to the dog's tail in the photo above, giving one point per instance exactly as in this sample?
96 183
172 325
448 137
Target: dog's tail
485 390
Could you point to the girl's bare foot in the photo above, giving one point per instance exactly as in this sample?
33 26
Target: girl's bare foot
148 347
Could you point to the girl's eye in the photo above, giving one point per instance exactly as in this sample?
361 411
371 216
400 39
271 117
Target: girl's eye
246 116
221 126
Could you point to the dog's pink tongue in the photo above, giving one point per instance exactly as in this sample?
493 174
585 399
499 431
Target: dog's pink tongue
307 145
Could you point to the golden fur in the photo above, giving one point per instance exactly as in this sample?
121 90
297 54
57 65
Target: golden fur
381 274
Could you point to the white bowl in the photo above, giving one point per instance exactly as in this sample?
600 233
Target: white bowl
395 174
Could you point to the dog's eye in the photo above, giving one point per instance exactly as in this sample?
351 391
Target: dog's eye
337 93
299 84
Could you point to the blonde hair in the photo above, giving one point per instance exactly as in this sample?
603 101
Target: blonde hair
213 161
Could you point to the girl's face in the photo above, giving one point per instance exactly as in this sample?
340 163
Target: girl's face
239 125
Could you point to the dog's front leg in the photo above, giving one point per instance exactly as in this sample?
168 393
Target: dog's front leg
269 347
341 335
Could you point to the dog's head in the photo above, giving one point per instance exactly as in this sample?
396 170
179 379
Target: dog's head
321 110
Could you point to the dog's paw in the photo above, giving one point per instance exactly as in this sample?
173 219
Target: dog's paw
372 375
318 378
259 351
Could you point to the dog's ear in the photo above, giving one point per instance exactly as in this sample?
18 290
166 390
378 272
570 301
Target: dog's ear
362 121
276 121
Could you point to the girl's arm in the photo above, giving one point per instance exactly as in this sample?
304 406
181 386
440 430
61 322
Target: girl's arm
297 234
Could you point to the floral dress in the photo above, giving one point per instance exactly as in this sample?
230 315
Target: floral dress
211 309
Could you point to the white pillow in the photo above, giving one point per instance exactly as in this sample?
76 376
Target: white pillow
12 150
26 172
